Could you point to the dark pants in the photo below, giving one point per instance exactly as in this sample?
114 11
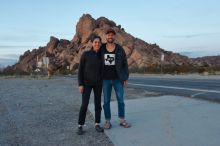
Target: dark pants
97 89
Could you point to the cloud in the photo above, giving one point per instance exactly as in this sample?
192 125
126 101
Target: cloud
32 35
15 46
22 38
10 56
193 35
5 50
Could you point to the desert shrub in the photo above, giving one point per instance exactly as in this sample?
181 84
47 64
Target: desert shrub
65 72
201 70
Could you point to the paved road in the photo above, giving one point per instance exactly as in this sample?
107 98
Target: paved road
192 86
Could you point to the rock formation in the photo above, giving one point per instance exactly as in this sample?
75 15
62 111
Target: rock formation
63 53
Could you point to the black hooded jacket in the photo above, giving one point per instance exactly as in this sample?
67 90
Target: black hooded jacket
90 68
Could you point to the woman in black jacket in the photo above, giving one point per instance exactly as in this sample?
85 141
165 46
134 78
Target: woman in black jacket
90 78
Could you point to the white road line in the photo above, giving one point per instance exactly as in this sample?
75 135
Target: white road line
200 93
179 88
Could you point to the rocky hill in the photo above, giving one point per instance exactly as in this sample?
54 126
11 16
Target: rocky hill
62 52
208 61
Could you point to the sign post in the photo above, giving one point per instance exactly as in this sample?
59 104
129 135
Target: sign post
161 63
46 61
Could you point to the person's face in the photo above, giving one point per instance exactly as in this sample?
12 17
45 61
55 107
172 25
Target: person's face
96 44
110 37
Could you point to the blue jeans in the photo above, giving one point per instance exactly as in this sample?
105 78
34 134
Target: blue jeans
119 91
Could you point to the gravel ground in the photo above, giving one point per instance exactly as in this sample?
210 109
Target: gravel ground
38 112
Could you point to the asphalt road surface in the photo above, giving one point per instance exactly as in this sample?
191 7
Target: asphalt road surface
202 87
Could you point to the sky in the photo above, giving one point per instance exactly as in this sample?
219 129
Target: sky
189 27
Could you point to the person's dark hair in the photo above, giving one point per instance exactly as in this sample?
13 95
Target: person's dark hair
93 37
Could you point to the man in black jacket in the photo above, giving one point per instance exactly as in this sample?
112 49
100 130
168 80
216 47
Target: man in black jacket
89 77
115 74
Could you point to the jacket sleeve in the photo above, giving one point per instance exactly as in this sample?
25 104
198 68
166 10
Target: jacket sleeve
81 70
102 59
125 63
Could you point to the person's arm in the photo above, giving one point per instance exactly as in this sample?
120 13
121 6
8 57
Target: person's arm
125 83
102 59
125 65
81 73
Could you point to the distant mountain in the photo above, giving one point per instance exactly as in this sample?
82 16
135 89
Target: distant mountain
4 62
1 67
62 52
207 61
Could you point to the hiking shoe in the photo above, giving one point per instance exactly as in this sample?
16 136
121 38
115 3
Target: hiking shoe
80 130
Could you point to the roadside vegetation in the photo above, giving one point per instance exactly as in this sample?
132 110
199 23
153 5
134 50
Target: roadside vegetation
175 70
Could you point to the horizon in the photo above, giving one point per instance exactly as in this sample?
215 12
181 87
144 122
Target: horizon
184 27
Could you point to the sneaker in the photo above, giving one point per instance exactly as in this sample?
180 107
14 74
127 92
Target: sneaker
80 130
98 128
